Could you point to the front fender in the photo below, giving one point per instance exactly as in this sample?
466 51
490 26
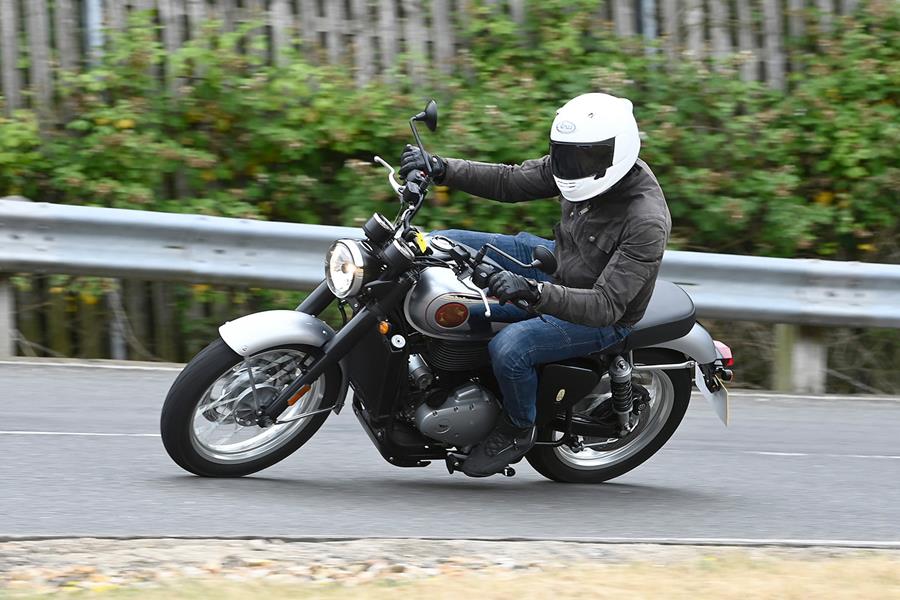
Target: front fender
248 335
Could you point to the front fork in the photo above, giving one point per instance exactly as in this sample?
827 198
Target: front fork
385 296
318 300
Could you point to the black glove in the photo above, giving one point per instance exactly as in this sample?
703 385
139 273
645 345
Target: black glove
509 287
413 159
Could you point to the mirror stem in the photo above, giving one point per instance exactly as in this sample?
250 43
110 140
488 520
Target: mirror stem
412 125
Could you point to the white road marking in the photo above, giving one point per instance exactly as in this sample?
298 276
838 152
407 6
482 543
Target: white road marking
822 454
79 433
89 365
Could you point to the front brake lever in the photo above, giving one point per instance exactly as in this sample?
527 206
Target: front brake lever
466 281
391 180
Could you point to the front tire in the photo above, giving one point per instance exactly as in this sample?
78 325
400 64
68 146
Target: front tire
214 391
670 394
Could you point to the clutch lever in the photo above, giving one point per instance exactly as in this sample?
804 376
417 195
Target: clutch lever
391 180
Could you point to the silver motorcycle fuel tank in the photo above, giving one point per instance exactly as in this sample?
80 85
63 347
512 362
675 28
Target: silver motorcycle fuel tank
426 308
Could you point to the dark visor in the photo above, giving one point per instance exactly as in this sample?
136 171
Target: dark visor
577 161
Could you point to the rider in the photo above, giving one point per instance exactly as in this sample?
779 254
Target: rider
608 245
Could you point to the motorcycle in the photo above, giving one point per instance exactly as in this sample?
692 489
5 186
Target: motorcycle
413 357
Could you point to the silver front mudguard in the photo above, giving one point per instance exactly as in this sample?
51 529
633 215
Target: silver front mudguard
698 346
259 331
248 335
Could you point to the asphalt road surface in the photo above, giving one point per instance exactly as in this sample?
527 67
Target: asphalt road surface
80 455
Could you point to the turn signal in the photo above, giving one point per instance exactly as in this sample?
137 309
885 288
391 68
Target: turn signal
452 314
384 327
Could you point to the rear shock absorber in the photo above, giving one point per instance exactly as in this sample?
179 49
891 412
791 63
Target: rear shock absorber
620 386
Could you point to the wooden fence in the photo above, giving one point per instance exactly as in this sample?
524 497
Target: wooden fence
39 38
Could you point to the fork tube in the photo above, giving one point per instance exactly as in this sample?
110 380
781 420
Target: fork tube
317 301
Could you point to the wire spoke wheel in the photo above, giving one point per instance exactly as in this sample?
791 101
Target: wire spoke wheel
602 459
599 452
208 422
224 425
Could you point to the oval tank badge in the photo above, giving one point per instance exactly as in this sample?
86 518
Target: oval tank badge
565 127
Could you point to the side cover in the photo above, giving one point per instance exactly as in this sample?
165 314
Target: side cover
248 335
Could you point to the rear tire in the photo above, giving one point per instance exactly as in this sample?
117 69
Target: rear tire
192 384
563 465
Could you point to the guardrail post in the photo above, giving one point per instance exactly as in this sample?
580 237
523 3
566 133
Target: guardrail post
800 359
7 318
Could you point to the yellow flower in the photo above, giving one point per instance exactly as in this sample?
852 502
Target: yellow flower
125 124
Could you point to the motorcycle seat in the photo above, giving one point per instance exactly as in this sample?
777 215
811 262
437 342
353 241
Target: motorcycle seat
669 315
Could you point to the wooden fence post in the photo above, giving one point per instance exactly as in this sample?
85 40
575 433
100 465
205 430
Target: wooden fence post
415 35
334 17
746 41
772 41
9 54
93 30
363 56
65 27
442 32
649 26
282 22
37 21
387 34
670 28
309 27
720 36
693 24
623 16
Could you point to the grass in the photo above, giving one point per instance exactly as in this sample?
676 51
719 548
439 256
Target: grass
722 577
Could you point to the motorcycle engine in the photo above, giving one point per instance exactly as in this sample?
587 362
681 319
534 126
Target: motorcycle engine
465 418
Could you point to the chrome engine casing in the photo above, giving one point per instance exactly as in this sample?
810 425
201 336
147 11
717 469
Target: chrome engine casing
465 418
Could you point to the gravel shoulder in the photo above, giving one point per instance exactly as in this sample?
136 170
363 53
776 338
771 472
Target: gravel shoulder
210 568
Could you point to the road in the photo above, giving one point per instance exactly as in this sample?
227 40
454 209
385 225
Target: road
797 469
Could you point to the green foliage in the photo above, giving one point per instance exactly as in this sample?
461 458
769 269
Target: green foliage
212 129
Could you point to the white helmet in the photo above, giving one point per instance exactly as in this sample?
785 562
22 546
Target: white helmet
594 142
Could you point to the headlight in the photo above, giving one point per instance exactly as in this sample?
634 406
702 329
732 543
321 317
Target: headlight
345 268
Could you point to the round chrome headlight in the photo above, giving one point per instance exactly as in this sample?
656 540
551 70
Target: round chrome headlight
345 268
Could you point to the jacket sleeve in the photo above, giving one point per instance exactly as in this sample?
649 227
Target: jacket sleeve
530 180
633 264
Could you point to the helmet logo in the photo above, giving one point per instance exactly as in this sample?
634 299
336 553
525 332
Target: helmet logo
565 127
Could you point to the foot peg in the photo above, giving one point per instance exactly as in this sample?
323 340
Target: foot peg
454 463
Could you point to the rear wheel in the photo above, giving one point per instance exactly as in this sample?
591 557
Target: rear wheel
603 459
208 422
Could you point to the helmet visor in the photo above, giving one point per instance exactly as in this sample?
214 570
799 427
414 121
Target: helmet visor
577 161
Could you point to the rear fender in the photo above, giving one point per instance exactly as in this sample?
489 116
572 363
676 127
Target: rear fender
698 346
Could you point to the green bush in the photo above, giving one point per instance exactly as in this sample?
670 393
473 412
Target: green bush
810 172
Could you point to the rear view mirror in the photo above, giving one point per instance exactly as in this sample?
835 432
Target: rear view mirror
429 116
545 260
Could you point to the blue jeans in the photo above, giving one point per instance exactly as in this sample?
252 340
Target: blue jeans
527 342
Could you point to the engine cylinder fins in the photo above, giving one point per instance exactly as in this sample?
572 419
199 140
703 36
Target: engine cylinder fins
457 356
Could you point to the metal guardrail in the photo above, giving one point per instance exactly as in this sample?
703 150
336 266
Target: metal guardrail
79 240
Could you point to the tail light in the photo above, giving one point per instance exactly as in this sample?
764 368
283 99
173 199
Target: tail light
724 353
452 314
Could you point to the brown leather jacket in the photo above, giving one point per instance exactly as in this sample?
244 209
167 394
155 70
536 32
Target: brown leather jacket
609 248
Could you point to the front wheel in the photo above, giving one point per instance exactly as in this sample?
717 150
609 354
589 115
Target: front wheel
208 422
604 459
